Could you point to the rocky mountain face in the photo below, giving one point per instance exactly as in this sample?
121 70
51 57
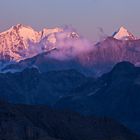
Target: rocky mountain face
112 51
115 95
24 122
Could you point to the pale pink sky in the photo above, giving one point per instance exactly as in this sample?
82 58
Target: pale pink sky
87 16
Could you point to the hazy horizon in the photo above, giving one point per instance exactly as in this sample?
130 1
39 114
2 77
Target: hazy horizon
89 17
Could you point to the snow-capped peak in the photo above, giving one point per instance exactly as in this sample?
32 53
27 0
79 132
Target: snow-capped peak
21 42
24 32
123 34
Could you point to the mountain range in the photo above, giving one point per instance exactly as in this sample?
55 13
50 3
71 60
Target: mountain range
48 76
32 87
21 42
63 48
114 95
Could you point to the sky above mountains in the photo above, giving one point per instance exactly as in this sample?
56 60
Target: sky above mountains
92 18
